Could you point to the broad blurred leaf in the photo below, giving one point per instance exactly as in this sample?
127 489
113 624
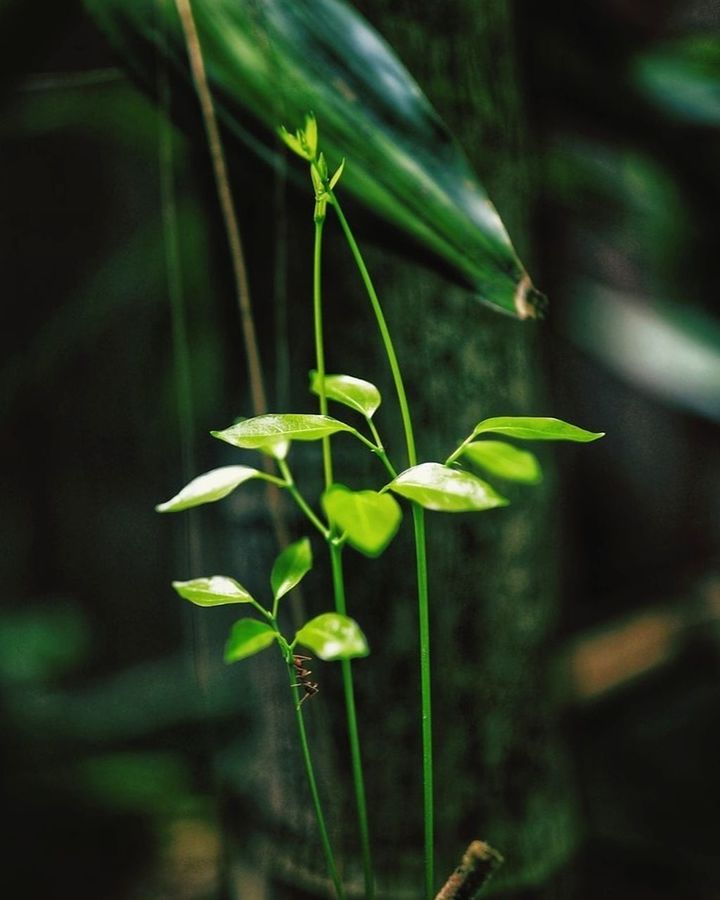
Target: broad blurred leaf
668 349
262 430
504 461
370 520
362 396
332 636
208 488
536 428
441 488
277 59
247 637
218 590
291 566
683 77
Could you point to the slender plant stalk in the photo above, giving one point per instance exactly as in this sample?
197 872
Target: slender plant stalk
312 783
352 725
319 344
339 579
421 557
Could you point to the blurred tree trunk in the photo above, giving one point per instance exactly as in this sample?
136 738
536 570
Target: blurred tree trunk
500 770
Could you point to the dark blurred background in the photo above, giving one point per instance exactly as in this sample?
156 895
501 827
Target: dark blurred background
110 779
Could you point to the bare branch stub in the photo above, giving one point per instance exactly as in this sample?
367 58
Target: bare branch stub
478 864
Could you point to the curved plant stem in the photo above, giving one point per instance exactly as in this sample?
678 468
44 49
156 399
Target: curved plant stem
319 346
312 784
421 556
352 725
339 579
300 500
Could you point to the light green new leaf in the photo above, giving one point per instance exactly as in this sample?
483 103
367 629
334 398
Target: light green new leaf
263 430
504 461
276 449
291 566
362 396
441 488
247 637
332 636
218 590
536 428
370 520
208 488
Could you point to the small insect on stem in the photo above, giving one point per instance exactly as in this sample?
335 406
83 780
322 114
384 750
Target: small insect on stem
310 687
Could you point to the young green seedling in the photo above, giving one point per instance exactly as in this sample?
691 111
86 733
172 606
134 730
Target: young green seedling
329 636
364 519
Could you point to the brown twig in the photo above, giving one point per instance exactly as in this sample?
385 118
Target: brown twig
227 206
478 864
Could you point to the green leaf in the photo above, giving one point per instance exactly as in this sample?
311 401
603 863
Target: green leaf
247 637
332 636
362 396
370 520
208 488
263 430
338 175
504 461
530 428
292 141
441 488
291 566
276 449
311 134
218 590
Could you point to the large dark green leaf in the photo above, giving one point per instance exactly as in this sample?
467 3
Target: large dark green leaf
277 59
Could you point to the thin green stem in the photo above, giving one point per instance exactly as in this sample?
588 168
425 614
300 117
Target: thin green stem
456 453
300 500
384 333
319 345
421 557
339 578
352 725
312 784
381 450
425 693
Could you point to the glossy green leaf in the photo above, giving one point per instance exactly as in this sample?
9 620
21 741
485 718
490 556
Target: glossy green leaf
332 636
441 488
247 637
504 461
263 430
322 55
362 396
208 488
370 520
218 590
291 566
536 428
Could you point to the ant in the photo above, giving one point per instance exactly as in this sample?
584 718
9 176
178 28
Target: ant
311 687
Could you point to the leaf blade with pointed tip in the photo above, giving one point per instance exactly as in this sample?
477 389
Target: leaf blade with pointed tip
260 431
370 520
504 461
217 590
362 396
209 487
331 636
443 489
247 637
291 566
536 428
